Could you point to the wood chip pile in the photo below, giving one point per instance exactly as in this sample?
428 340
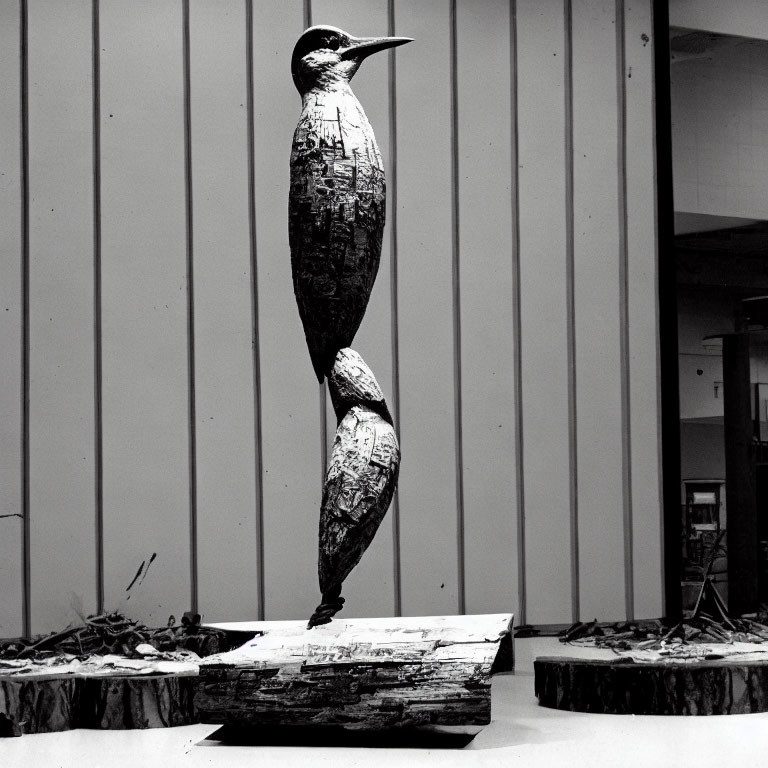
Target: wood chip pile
115 634
657 635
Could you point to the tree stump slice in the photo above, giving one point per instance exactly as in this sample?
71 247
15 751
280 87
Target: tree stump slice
368 674
728 686
40 703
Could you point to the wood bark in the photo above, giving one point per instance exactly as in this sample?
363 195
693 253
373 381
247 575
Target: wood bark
119 703
35 703
360 673
38 705
718 687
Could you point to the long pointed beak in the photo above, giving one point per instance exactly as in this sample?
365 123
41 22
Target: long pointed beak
361 47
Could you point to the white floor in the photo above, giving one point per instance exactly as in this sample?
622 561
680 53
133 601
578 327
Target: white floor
521 734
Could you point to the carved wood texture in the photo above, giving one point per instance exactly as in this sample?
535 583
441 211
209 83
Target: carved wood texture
364 673
336 220
336 215
361 478
359 484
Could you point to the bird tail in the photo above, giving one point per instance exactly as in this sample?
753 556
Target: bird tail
323 355
319 370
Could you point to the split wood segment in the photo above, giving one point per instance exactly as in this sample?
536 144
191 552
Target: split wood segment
358 673
360 480
728 686
336 214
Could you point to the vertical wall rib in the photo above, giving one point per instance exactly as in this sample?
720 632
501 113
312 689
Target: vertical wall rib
97 306
254 308
393 277
626 410
517 317
191 399
25 317
456 287
573 469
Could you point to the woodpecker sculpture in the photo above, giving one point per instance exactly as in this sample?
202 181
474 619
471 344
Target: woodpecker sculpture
361 477
337 192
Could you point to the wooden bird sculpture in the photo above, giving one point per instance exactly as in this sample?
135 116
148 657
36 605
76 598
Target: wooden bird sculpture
336 205
361 477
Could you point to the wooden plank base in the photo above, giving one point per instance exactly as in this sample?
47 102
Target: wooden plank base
728 686
357 673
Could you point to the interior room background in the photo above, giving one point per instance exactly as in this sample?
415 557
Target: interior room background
719 90
159 413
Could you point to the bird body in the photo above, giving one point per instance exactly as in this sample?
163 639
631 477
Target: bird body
336 208
336 215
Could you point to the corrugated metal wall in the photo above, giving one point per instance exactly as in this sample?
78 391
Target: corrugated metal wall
162 428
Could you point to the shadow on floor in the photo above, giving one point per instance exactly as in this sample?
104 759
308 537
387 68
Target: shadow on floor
331 736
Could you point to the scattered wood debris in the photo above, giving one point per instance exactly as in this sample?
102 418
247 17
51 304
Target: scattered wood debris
708 622
115 634
657 635
109 672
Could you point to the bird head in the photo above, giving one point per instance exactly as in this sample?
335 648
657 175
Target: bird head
324 56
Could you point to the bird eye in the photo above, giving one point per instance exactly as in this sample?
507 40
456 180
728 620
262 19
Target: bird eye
332 43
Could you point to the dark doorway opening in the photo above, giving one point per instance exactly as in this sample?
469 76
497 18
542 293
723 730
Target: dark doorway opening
722 299
713 289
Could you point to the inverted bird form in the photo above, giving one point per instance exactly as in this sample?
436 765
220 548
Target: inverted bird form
361 477
336 205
